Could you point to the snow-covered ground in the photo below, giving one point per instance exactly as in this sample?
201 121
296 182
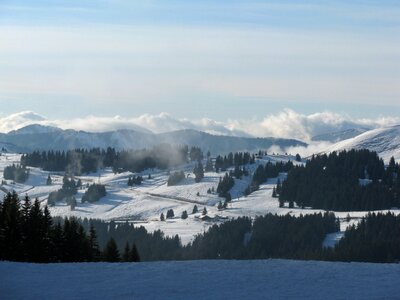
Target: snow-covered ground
144 204
215 279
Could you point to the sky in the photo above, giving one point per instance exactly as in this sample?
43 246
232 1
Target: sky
223 60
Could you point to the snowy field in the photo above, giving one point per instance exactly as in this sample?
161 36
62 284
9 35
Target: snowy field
258 279
144 204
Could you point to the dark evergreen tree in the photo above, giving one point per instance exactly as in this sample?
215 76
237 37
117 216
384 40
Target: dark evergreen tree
184 215
134 257
170 214
93 244
198 172
111 253
94 193
204 212
126 256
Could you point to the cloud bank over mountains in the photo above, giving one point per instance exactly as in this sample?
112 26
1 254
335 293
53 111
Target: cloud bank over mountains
286 124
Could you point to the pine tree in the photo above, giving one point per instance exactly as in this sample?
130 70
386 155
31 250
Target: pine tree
162 218
198 172
111 253
49 181
47 237
184 215
195 209
135 257
12 231
170 214
204 211
127 253
274 192
278 187
93 245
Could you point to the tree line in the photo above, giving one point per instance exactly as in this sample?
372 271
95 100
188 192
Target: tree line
28 233
354 180
83 161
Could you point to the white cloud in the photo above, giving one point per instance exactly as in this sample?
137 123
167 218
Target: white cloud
286 124
19 120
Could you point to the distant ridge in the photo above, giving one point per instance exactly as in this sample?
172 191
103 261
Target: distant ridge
39 137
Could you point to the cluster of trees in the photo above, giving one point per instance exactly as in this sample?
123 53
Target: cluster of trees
233 159
224 186
175 177
151 246
67 192
74 162
375 239
135 180
28 233
17 173
334 182
94 193
271 236
198 172
269 170
195 154
80 161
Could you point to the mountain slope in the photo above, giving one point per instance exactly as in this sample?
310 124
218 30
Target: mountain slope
338 136
37 137
385 141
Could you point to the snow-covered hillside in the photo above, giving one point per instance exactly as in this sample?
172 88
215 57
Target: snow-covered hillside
144 204
257 279
385 141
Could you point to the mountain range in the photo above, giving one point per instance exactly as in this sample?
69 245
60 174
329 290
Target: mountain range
39 137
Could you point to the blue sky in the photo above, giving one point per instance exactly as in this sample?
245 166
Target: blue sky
216 59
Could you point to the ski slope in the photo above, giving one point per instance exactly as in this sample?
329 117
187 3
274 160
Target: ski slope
214 279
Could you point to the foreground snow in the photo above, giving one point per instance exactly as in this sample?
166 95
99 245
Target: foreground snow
263 279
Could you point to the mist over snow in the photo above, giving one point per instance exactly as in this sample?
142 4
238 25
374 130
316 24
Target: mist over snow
286 124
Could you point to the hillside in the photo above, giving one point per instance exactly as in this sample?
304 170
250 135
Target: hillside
384 141
144 204
215 279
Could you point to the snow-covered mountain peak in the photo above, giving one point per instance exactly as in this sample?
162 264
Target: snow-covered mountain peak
35 129
385 141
